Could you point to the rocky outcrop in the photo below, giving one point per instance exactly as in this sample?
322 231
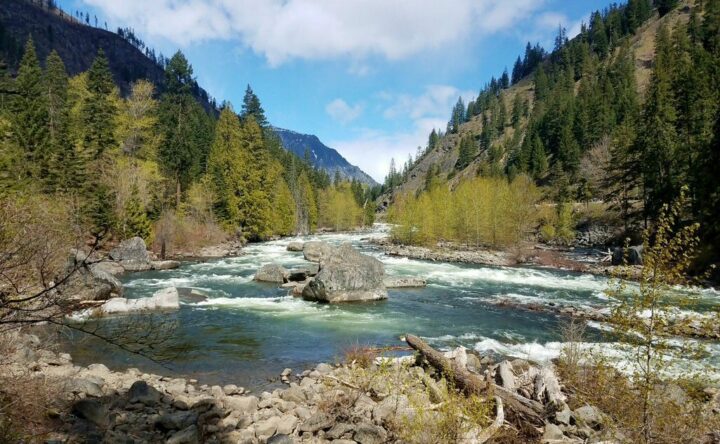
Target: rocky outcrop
448 254
132 254
404 282
272 273
346 276
165 299
315 251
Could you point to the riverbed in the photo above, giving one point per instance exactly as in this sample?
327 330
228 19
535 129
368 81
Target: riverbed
247 332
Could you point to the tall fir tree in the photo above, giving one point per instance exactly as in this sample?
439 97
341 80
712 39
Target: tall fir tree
99 110
252 107
30 115
60 174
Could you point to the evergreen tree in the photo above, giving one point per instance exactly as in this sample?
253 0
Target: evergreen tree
665 6
284 219
432 140
307 212
251 107
505 80
99 110
30 115
178 156
659 139
61 152
135 221
517 111
598 35
255 205
226 165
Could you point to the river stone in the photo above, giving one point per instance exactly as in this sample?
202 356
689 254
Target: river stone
267 428
318 421
165 299
177 420
588 415
272 273
281 439
315 251
91 410
404 282
165 265
108 266
188 435
295 246
347 276
553 433
369 434
243 404
141 392
286 424
338 430
132 249
82 385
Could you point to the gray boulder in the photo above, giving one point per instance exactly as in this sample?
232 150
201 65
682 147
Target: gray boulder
164 265
92 411
165 299
347 276
102 274
295 246
315 251
272 273
141 392
629 256
132 249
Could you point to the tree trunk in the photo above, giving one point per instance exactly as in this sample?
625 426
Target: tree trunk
178 192
531 411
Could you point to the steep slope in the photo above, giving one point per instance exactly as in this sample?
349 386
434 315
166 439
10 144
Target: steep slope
442 159
76 43
321 155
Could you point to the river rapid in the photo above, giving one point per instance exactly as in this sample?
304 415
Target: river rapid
247 332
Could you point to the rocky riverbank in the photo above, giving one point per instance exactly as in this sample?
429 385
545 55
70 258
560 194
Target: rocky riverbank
368 400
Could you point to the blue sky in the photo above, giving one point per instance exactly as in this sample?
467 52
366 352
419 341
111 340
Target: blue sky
370 78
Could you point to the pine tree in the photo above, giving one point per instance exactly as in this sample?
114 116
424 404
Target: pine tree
61 152
30 115
432 140
225 169
99 110
307 211
135 221
255 206
598 35
284 219
178 156
659 139
252 107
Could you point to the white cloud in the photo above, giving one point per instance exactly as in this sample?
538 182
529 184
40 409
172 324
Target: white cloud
281 30
372 150
340 111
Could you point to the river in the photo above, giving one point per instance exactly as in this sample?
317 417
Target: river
246 332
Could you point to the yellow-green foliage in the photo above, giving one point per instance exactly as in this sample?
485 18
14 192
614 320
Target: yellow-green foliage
284 208
338 208
480 211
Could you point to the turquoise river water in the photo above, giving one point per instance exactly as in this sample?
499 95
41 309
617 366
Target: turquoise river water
247 332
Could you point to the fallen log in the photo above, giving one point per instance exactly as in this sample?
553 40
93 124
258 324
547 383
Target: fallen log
531 411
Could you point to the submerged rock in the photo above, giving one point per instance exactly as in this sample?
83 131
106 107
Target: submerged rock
404 282
272 273
347 276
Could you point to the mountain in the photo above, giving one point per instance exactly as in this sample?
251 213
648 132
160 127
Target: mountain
495 146
321 155
77 43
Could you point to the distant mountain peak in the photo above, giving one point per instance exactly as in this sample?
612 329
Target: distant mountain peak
322 156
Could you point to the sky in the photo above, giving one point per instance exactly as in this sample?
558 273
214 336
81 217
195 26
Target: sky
370 78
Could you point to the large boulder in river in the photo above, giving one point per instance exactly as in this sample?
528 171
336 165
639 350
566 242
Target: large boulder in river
347 275
165 299
132 255
132 249
315 251
272 273
629 256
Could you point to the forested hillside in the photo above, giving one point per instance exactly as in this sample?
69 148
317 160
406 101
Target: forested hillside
160 168
626 113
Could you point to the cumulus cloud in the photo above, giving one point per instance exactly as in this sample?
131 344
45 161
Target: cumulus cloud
282 30
371 150
340 111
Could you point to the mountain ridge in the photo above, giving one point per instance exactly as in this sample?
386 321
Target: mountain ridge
321 155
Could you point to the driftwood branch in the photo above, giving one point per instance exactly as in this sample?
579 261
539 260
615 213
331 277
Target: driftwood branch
531 411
